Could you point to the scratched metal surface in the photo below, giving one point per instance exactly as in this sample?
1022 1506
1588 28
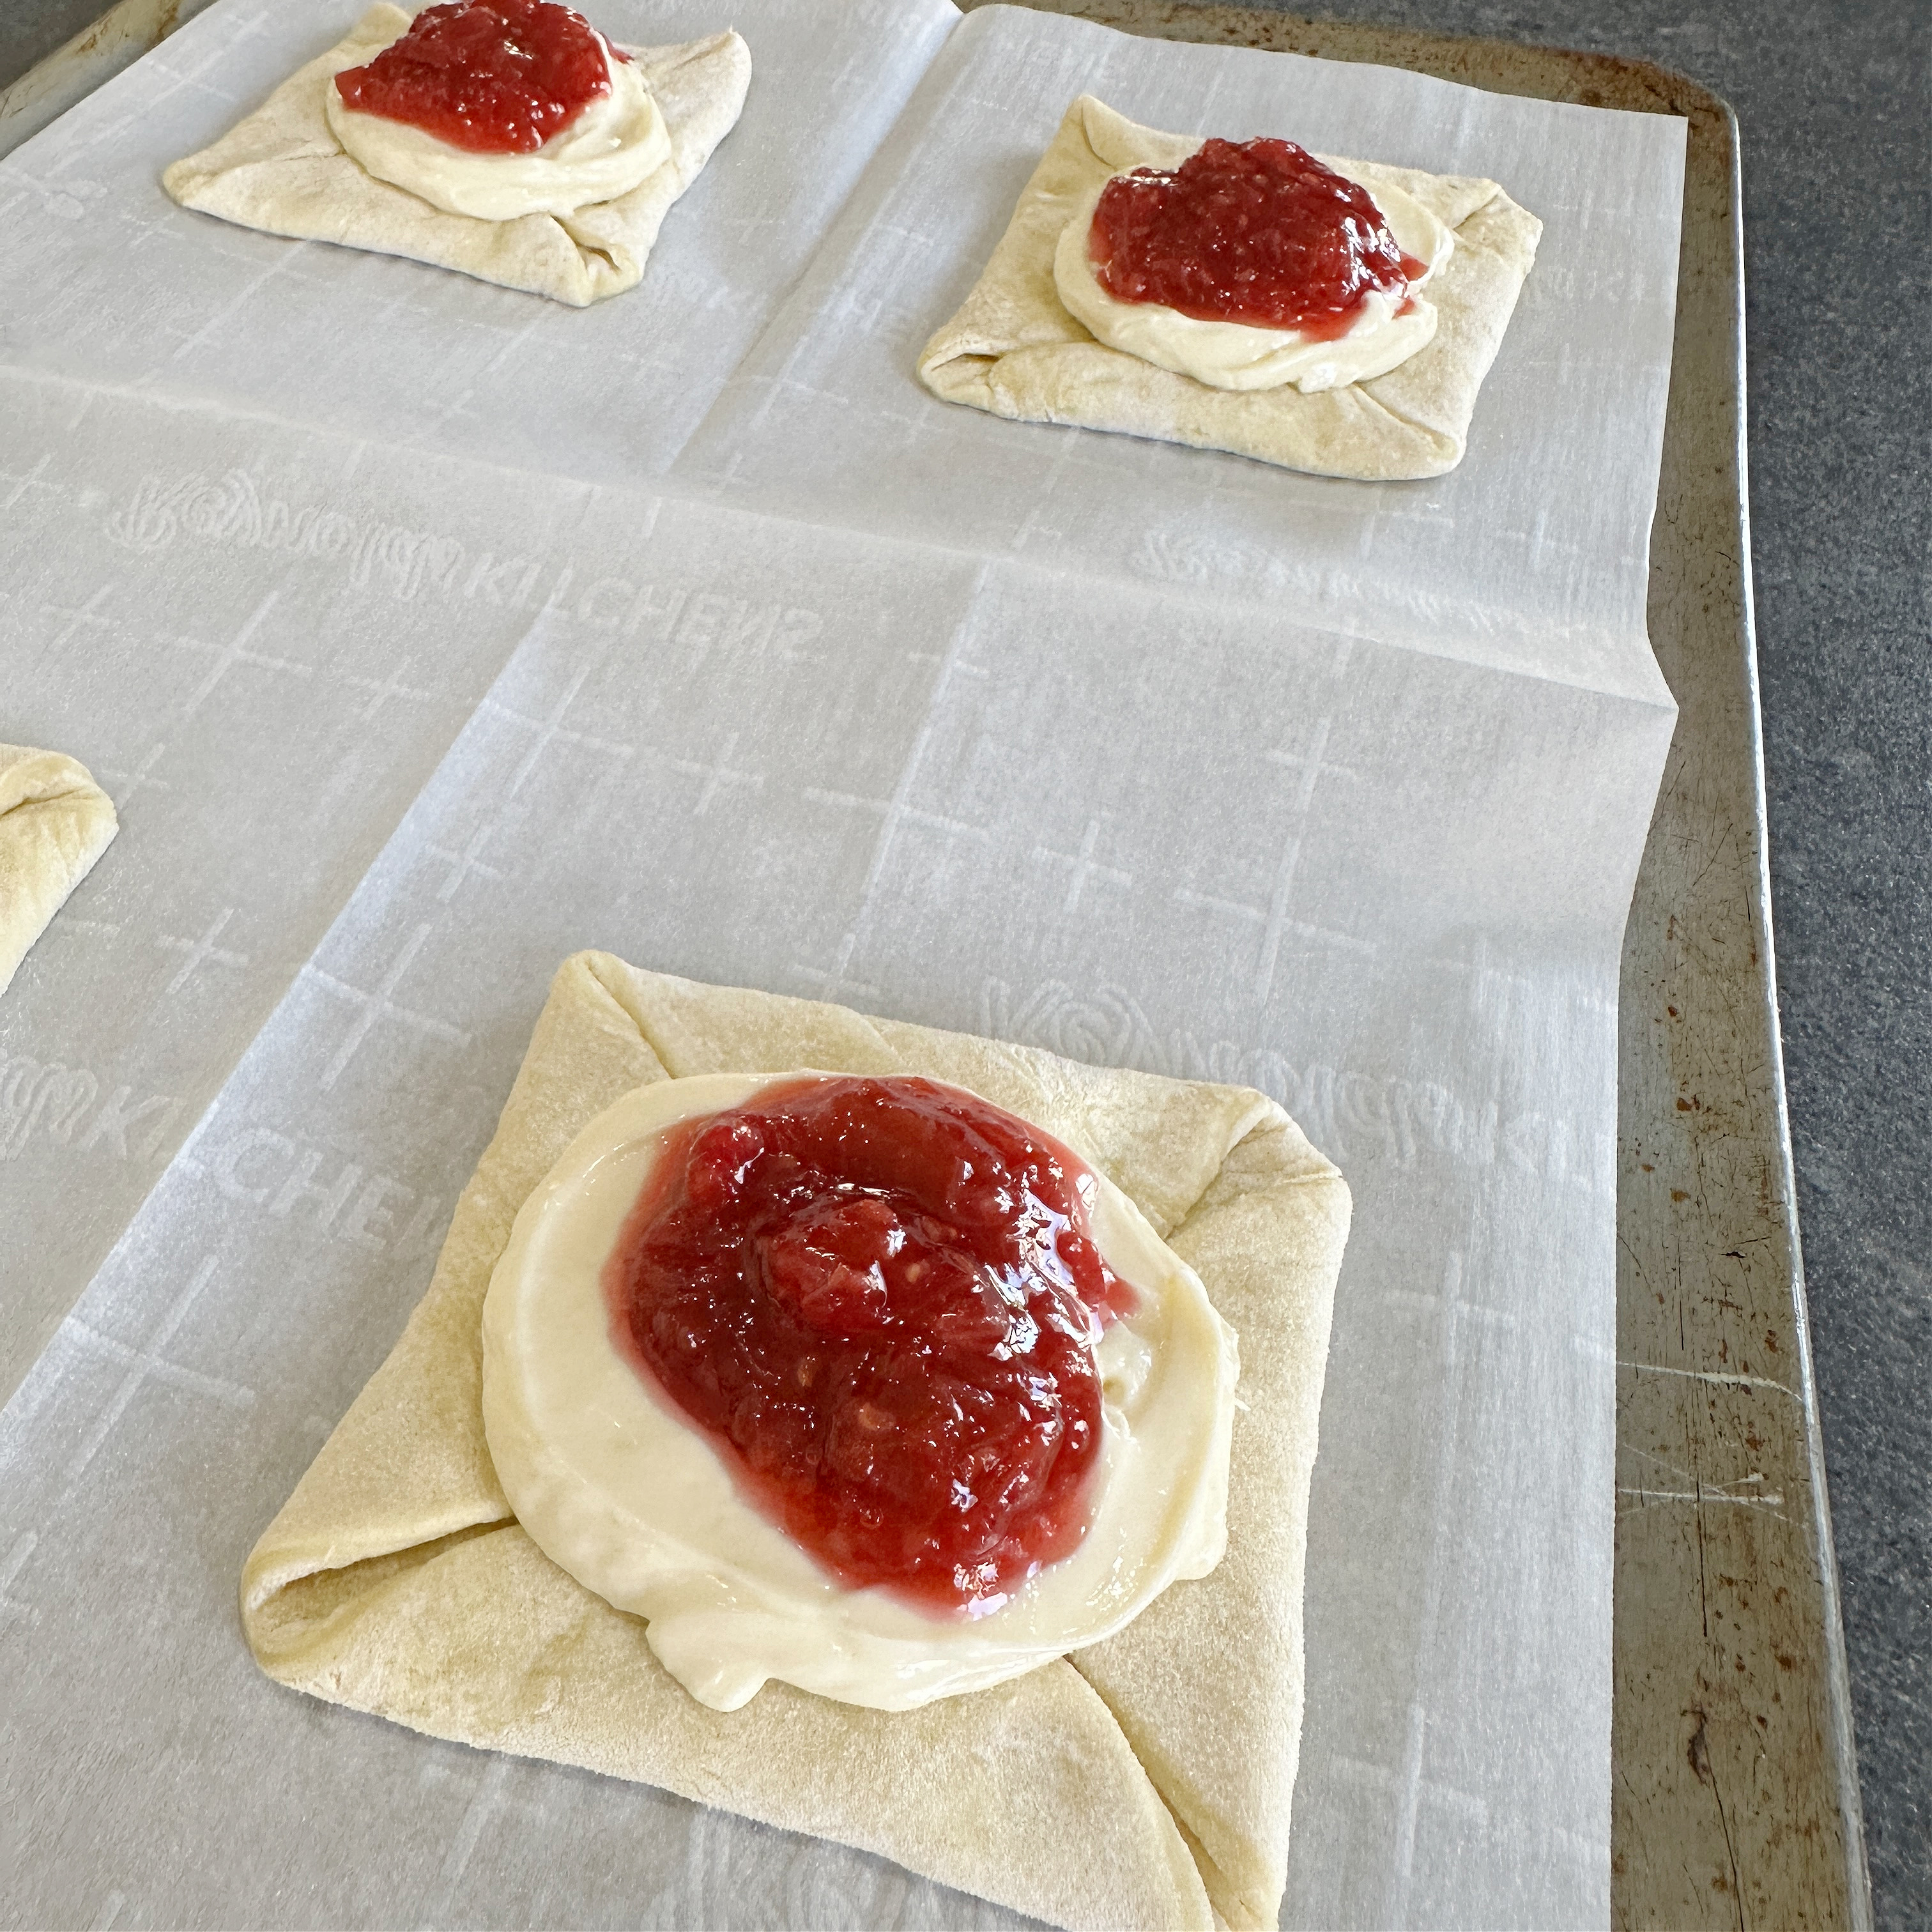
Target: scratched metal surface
1735 1796
30 101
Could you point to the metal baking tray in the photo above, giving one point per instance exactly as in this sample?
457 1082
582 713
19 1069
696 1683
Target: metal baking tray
1735 1797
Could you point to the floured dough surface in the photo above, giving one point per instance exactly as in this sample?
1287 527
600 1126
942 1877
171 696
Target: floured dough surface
55 822
1013 348
1143 1782
282 171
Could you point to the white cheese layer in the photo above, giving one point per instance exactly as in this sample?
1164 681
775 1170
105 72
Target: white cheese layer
1237 355
616 1487
613 144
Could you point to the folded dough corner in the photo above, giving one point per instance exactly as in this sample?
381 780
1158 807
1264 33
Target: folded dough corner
281 170
1013 349
1143 1782
55 822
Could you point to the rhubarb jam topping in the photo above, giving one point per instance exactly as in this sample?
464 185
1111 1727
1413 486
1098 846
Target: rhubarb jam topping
1254 231
879 1299
493 76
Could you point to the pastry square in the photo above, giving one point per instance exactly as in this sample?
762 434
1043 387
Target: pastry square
55 822
1143 1782
1013 349
281 170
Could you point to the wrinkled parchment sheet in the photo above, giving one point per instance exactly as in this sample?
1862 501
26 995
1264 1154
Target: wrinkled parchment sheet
391 730
117 284
849 771
264 639
1531 555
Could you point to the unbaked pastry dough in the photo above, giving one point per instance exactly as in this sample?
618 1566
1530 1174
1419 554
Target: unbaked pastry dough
282 170
1013 349
55 822
1143 1782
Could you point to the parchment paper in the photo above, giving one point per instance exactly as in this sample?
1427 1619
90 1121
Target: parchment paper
126 288
982 775
1530 554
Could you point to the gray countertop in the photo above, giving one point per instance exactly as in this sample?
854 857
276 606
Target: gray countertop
1832 102
1832 107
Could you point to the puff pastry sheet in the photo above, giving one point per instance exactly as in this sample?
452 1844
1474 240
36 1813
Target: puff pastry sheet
1143 1783
281 170
55 822
1013 349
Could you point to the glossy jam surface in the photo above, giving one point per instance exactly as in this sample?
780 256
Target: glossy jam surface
879 1299
1257 232
493 76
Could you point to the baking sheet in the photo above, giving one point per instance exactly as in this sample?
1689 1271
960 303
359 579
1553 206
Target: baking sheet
1735 1791
1114 819
737 826
117 39
1530 556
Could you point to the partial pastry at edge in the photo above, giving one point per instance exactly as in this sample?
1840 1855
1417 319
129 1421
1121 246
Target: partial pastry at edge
55 822
282 170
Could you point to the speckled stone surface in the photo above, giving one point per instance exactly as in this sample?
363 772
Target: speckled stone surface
1832 102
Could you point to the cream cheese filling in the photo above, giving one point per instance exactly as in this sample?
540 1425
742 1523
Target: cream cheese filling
1238 355
617 1488
614 143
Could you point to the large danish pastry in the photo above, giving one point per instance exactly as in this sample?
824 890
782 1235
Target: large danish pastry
1144 1781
